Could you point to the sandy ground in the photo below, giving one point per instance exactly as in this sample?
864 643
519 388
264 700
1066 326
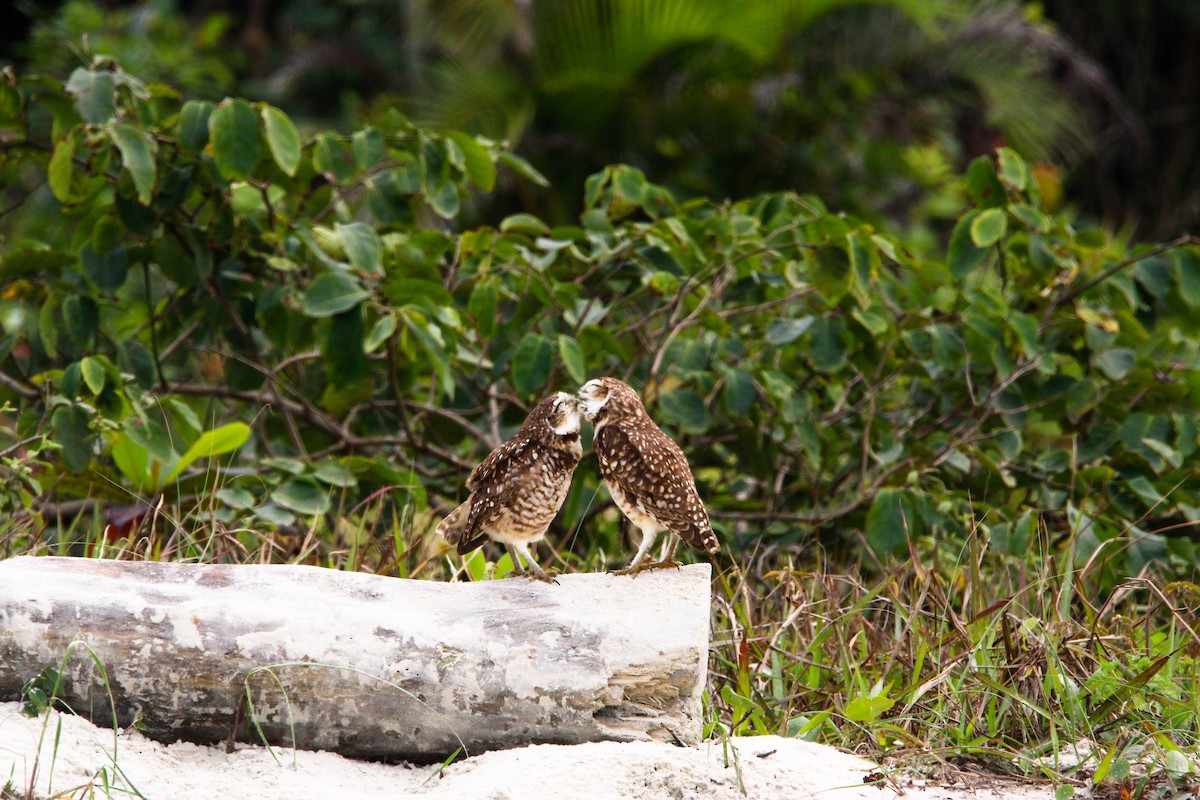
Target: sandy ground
768 767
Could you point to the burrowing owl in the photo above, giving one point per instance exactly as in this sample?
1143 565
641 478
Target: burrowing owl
646 473
518 489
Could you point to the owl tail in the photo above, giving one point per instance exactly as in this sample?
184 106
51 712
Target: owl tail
454 527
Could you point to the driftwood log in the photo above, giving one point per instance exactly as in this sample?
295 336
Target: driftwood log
358 664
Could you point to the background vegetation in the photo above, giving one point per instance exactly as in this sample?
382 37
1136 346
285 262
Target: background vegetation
946 427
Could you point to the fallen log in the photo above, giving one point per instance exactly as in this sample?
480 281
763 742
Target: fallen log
357 664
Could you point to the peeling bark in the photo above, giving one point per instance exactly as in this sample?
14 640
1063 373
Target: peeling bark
358 664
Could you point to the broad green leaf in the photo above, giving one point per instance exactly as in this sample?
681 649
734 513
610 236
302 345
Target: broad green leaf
739 393
333 293
831 274
1030 217
71 433
193 125
367 147
362 246
343 354
93 374
524 223
444 199
988 227
137 155
1013 169
381 331
273 514
478 162
963 256
1187 275
1115 363
62 168
783 330
523 168
431 343
984 187
827 350
686 408
303 498
216 442
335 473
236 138
94 93
572 358
282 138
134 462
867 709
80 316
1082 397
532 363
891 521
236 497
482 306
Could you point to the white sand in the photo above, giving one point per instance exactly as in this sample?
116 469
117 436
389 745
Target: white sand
770 768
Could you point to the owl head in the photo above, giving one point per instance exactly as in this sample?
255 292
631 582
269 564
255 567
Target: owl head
559 413
602 396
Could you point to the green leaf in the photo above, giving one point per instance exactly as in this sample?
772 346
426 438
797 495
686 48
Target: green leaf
71 433
524 223
137 156
1013 169
62 168
532 363
193 125
367 147
891 521
363 246
984 187
988 227
94 93
831 274
783 330
380 332
962 255
572 358
431 343
739 393
134 462
273 514
93 374
1187 275
219 441
236 138
1082 397
80 316
482 306
1115 363
235 497
335 473
868 709
302 497
827 350
444 199
282 138
686 408
523 168
333 293
477 160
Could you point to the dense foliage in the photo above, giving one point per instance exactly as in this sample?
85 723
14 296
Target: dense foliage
203 309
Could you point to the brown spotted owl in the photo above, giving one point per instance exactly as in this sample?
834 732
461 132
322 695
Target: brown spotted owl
517 490
646 473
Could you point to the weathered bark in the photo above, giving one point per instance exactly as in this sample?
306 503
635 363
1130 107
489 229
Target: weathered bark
358 664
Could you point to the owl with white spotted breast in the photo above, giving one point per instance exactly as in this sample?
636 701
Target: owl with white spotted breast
646 473
518 489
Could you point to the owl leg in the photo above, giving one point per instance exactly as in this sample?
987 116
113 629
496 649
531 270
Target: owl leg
667 558
520 550
649 534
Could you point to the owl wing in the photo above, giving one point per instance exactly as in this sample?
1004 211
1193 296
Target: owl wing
651 471
494 485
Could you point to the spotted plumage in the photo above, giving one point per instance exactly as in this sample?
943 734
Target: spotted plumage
517 490
646 473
